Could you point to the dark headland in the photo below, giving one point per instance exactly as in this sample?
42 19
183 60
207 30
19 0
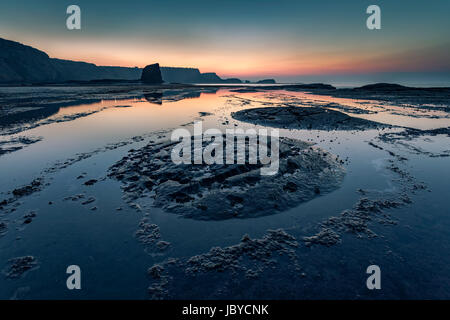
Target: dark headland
24 65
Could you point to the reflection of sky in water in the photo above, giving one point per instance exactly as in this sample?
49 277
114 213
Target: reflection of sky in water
114 263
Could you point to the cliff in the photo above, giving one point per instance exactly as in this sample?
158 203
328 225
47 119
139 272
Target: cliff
180 75
21 64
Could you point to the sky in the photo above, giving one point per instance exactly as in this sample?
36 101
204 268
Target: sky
289 40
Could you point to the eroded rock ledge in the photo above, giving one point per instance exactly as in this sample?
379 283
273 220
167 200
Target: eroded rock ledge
221 191
246 260
311 118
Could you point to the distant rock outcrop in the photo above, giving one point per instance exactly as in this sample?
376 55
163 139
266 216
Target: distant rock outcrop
151 74
383 87
192 75
210 77
313 86
267 81
232 80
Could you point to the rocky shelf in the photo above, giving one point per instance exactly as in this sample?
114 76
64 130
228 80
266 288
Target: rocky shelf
224 191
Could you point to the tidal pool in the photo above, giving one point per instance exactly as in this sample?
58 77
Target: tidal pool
391 208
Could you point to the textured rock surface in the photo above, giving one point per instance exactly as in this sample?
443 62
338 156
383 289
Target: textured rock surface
247 260
19 266
312 118
221 191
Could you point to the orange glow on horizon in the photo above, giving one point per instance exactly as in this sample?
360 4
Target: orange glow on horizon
243 64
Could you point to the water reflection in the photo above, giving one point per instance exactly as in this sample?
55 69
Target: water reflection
160 96
154 97
103 240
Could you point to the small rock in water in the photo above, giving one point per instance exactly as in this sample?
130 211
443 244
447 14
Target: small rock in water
316 190
204 113
18 266
28 218
90 182
163 245
90 200
81 176
28 189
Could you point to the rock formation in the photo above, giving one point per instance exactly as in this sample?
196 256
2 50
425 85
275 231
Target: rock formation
21 64
266 81
152 74
180 75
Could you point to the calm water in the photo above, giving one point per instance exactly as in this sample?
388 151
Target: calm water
413 254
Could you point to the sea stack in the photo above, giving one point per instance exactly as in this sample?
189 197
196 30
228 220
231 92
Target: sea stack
152 74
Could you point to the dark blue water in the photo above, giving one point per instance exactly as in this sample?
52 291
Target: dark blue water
413 254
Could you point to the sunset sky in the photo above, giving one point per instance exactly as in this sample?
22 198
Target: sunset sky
285 39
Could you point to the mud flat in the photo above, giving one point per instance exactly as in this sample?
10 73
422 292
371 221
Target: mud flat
311 118
249 258
224 191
